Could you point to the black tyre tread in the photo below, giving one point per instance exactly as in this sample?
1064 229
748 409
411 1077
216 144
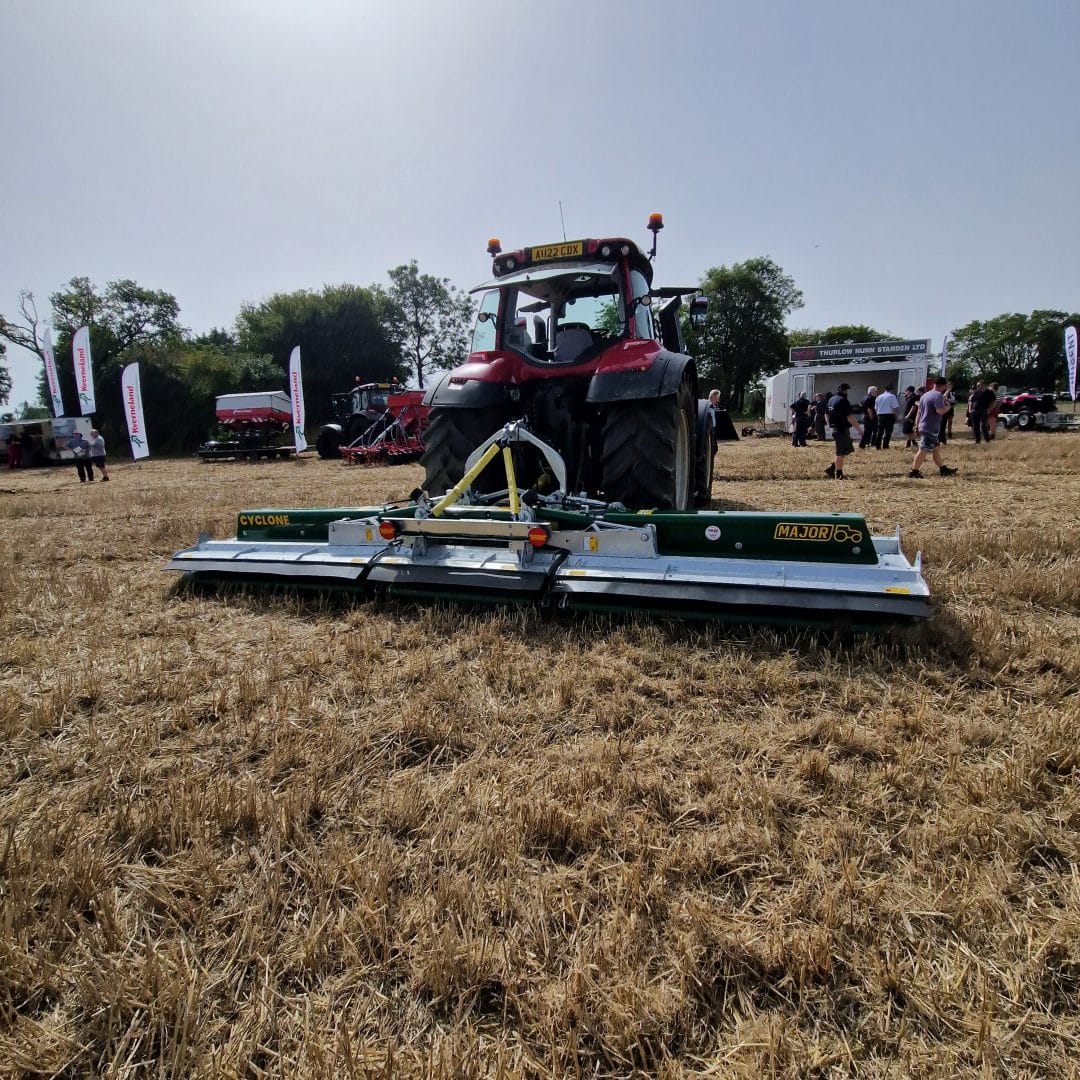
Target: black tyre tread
328 445
450 437
638 455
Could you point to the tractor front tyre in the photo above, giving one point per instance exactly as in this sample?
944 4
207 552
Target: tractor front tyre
647 452
328 444
450 437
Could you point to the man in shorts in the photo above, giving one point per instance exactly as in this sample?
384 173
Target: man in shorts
932 407
842 418
97 455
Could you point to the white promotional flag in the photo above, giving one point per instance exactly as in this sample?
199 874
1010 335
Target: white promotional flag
296 393
84 372
944 355
1070 358
50 377
133 411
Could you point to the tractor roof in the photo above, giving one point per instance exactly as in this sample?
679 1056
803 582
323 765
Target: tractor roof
597 255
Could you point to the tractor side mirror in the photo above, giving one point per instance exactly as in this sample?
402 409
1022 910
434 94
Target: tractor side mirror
699 309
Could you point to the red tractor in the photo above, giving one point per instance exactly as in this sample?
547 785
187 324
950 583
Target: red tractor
573 338
369 410
1024 409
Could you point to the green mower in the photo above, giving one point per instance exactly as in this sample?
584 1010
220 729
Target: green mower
560 551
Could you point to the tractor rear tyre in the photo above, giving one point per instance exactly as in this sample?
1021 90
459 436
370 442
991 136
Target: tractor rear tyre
450 437
647 455
1025 420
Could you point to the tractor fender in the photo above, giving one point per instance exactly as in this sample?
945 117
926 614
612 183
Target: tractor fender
465 394
660 379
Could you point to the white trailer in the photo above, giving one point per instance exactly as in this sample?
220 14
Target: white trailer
820 369
44 442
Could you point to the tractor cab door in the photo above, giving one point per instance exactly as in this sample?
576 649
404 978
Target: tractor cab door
670 327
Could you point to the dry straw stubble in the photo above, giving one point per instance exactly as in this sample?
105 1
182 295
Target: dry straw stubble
266 835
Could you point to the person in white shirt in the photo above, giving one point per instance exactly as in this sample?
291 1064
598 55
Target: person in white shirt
886 407
97 456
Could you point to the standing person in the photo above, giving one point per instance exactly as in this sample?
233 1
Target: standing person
933 406
910 409
885 406
81 449
97 456
12 451
945 432
820 408
800 413
995 408
842 419
869 418
714 398
979 409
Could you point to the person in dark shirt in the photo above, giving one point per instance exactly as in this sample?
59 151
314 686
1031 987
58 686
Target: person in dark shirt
869 418
818 409
842 418
800 414
979 405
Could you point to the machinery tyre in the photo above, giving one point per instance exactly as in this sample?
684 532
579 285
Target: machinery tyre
647 456
1025 420
328 444
705 455
451 436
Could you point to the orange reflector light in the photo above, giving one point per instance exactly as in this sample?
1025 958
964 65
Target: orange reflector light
656 222
539 536
388 530
494 247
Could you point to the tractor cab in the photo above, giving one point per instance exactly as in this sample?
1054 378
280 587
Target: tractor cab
369 398
565 303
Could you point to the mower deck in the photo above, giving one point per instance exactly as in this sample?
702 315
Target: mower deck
559 551
813 569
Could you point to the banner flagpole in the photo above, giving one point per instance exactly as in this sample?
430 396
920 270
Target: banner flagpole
296 395
131 390
51 379
84 371
1070 361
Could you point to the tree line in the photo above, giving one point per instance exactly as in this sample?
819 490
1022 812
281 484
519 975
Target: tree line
418 324
414 325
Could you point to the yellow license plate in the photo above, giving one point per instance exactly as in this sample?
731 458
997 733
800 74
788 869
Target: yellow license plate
558 251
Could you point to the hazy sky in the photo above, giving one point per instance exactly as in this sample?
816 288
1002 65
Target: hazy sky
913 166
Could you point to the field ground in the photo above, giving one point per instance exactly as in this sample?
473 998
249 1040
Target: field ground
247 835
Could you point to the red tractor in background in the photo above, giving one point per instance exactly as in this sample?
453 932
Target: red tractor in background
1022 410
375 421
573 339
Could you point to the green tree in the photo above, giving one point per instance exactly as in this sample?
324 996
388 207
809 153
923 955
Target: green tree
431 319
121 316
836 335
1016 350
744 333
344 332
5 376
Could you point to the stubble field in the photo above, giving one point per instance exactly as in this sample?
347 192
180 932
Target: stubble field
249 835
